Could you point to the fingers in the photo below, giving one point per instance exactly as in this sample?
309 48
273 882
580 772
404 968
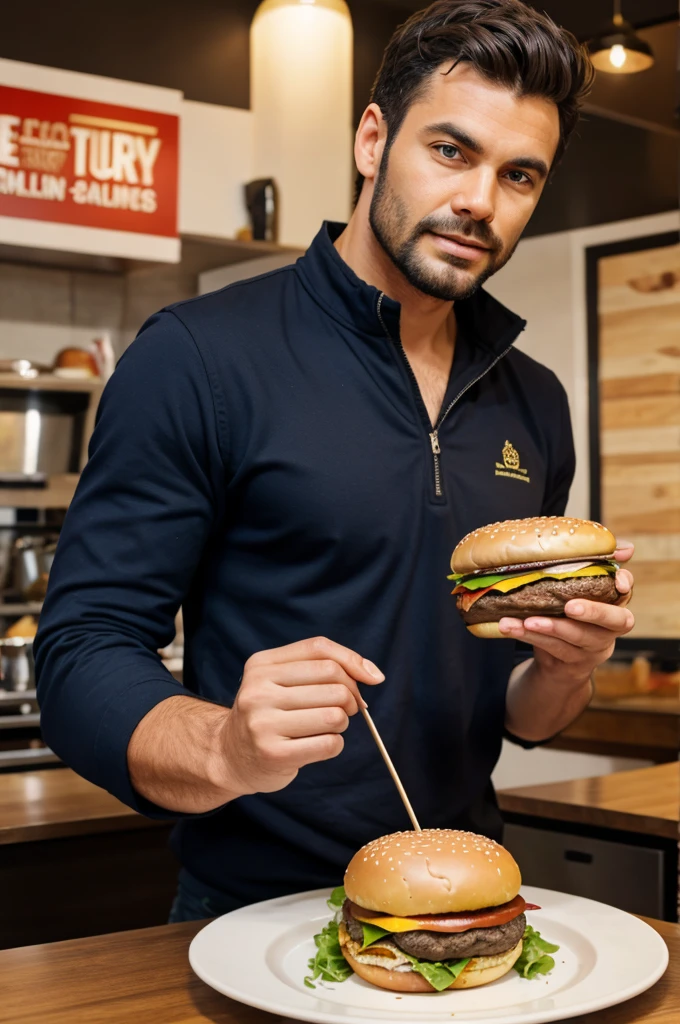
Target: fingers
624 581
302 673
617 620
320 647
591 627
297 698
315 748
328 657
313 722
624 550
560 649
280 763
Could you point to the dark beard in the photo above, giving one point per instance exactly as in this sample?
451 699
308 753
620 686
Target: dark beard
388 217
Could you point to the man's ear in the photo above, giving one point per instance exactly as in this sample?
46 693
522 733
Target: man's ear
369 143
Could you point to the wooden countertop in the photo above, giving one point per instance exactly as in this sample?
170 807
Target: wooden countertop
642 702
56 802
144 976
646 800
53 803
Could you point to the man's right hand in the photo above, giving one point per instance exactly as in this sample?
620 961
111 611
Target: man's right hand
293 704
291 709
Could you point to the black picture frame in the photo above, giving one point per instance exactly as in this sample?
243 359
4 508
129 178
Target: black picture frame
662 649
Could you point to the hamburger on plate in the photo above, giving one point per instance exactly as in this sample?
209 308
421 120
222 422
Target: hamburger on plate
524 567
430 911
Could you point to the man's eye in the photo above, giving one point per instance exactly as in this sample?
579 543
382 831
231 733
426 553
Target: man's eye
448 151
519 178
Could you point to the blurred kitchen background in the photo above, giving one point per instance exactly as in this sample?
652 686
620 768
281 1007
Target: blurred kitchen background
597 277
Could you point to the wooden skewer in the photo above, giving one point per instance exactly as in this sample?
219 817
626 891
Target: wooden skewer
392 770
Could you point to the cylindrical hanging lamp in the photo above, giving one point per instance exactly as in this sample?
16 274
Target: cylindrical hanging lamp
301 98
618 49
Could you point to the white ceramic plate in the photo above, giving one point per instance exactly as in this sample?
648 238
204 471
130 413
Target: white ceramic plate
258 955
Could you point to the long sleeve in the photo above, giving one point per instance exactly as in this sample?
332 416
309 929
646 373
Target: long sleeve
148 499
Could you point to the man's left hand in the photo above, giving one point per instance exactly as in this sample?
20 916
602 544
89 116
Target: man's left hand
571 648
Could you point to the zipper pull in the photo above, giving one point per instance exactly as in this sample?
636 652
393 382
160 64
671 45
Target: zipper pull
434 441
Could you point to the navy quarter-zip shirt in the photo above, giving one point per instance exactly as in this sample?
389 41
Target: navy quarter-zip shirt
262 456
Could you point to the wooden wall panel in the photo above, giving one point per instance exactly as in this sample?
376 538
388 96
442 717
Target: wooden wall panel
639 396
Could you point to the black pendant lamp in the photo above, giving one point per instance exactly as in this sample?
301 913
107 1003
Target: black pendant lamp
618 49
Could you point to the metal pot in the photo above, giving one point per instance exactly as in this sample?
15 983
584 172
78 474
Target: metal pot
17 668
33 557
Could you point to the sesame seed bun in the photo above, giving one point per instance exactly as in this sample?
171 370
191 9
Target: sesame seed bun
481 970
544 539
436 871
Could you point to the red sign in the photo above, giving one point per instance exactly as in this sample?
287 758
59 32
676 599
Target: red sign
86 163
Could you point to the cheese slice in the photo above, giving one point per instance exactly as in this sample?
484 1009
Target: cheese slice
390 924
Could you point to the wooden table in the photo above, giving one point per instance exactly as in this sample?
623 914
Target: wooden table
144 976
74 861
646 800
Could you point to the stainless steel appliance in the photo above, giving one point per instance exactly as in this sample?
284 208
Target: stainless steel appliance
40 433
21 745
32 561
17 668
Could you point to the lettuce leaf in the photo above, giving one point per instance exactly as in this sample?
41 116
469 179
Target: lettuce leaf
488 581
328 964
534 959
372 932
337 899
440 975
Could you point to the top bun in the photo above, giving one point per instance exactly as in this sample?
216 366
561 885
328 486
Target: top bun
541 539
436 871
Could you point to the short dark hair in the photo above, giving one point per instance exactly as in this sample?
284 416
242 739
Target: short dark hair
505 41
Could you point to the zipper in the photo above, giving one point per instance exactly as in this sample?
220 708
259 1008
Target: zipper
434 434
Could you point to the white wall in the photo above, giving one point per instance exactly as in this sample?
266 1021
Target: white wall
211 280
519 767
216 160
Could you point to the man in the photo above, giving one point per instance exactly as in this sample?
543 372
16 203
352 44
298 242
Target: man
292 460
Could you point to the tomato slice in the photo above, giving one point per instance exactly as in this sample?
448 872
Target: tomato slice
490 917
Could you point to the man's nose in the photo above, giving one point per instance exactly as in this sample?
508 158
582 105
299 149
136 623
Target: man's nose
476 194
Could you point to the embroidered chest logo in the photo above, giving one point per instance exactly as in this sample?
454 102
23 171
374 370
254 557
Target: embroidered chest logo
511 464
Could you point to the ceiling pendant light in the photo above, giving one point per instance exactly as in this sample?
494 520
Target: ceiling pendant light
618 49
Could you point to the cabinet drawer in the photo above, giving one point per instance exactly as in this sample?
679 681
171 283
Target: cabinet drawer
622 875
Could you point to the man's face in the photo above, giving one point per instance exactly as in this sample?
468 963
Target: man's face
461 180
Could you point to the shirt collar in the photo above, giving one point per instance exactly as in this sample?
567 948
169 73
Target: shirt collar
337 289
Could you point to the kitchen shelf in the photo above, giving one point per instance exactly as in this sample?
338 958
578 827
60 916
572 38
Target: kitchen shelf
199 253
20 721
27 757
21 608
17 696
50 382
57 494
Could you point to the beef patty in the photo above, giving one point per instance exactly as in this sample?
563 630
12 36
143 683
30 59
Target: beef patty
545 597
453 945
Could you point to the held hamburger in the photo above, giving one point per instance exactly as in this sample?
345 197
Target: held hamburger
524 567
432 910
